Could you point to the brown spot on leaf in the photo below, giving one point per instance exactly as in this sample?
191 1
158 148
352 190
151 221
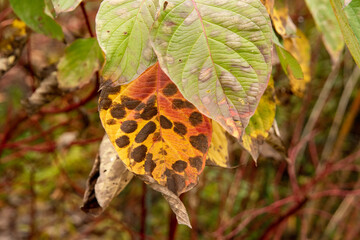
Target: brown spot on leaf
170 90
129 103
108 89
122 141
165 123
180 104
148 129
148 113
139 153
179 166
118 111
196 118
156 137
111 121
150 110
163 152
140 107
129 126
105 103
196 162
175 182
199 142
180 128
149 163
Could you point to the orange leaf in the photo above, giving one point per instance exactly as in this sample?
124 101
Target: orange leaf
155 131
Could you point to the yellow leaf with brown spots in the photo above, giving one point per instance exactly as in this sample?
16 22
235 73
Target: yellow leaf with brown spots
218 154
299 47
155 130
296 43
282 21
260 123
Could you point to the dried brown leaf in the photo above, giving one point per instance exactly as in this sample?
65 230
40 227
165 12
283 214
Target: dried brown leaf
174 201
90 203
113 177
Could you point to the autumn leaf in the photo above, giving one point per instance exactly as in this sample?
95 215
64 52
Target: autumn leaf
113 175
299 47
174 201
12 43
107 179
218 154
282 21
260 123
90 203
269 4
296 43
155 131
219 56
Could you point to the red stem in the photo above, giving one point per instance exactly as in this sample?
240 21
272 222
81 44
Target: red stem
82 6
143 213
74 106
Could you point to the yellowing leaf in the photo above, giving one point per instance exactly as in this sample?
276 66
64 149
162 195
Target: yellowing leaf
299 47
296 43
218 154
269 4
13 40
156 132
282 21
260 123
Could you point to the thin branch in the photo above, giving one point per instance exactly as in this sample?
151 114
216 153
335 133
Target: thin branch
82 6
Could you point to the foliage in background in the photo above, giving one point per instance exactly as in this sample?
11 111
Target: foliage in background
305 185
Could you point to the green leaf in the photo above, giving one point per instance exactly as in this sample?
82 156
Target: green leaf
123 29
65 5
350 39
32 13
327 24
260 123
82 58
219 55
289 64
352 11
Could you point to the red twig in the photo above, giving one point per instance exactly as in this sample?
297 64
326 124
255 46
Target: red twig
282 219
32 234
74 106
10 126
143 213
172 226
82 6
